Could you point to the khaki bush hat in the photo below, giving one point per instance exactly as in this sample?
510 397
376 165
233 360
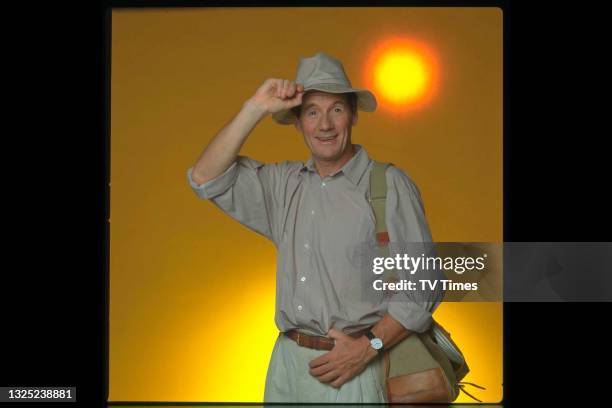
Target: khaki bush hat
325 73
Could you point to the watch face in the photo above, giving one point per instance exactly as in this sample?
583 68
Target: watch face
376 343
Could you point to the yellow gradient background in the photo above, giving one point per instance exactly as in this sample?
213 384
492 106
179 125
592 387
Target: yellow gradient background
192 291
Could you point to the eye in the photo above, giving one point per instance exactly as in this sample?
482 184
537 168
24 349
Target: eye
311 113
337 109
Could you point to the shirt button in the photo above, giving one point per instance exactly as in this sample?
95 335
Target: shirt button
303 278
299 307
323 184
312 212
306 246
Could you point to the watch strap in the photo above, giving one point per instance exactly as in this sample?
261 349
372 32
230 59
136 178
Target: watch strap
370 335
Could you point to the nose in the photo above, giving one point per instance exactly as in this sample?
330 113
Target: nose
326 123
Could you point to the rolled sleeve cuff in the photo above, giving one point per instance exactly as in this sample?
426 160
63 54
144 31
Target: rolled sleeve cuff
216 186
412 316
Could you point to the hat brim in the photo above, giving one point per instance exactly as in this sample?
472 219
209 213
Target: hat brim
366 101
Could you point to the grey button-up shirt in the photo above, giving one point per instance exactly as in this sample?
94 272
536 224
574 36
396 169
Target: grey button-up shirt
317 225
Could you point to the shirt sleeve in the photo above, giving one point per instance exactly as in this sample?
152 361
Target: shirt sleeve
248 191
408 230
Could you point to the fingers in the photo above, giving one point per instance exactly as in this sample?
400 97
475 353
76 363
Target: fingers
329 377
286 89
278 83
321 370
282 88
323 359
296 100
328 374
325 373
338 382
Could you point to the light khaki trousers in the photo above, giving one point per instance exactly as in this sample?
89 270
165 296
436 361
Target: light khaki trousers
288 379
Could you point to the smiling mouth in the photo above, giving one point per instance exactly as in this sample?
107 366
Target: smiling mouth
327 140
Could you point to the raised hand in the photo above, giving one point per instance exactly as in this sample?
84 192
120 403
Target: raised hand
276 94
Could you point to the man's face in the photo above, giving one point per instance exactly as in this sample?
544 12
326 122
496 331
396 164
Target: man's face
325 121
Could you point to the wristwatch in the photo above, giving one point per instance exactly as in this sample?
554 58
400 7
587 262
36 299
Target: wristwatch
375 342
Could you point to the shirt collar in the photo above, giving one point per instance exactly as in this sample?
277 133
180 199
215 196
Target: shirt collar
310 165
353 169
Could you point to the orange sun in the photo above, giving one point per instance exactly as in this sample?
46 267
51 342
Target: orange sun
403 74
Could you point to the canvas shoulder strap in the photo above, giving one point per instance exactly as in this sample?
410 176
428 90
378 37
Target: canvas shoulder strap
378 199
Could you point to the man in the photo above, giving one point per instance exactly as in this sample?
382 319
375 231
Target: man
317 214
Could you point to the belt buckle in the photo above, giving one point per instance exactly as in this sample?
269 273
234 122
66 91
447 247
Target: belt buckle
298 339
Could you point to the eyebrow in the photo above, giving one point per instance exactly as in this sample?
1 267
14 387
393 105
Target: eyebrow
333 104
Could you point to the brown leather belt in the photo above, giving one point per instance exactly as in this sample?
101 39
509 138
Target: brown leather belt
317 342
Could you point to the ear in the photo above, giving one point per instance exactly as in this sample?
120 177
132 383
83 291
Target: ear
355 117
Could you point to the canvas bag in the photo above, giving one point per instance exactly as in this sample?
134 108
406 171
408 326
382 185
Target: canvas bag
424 367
